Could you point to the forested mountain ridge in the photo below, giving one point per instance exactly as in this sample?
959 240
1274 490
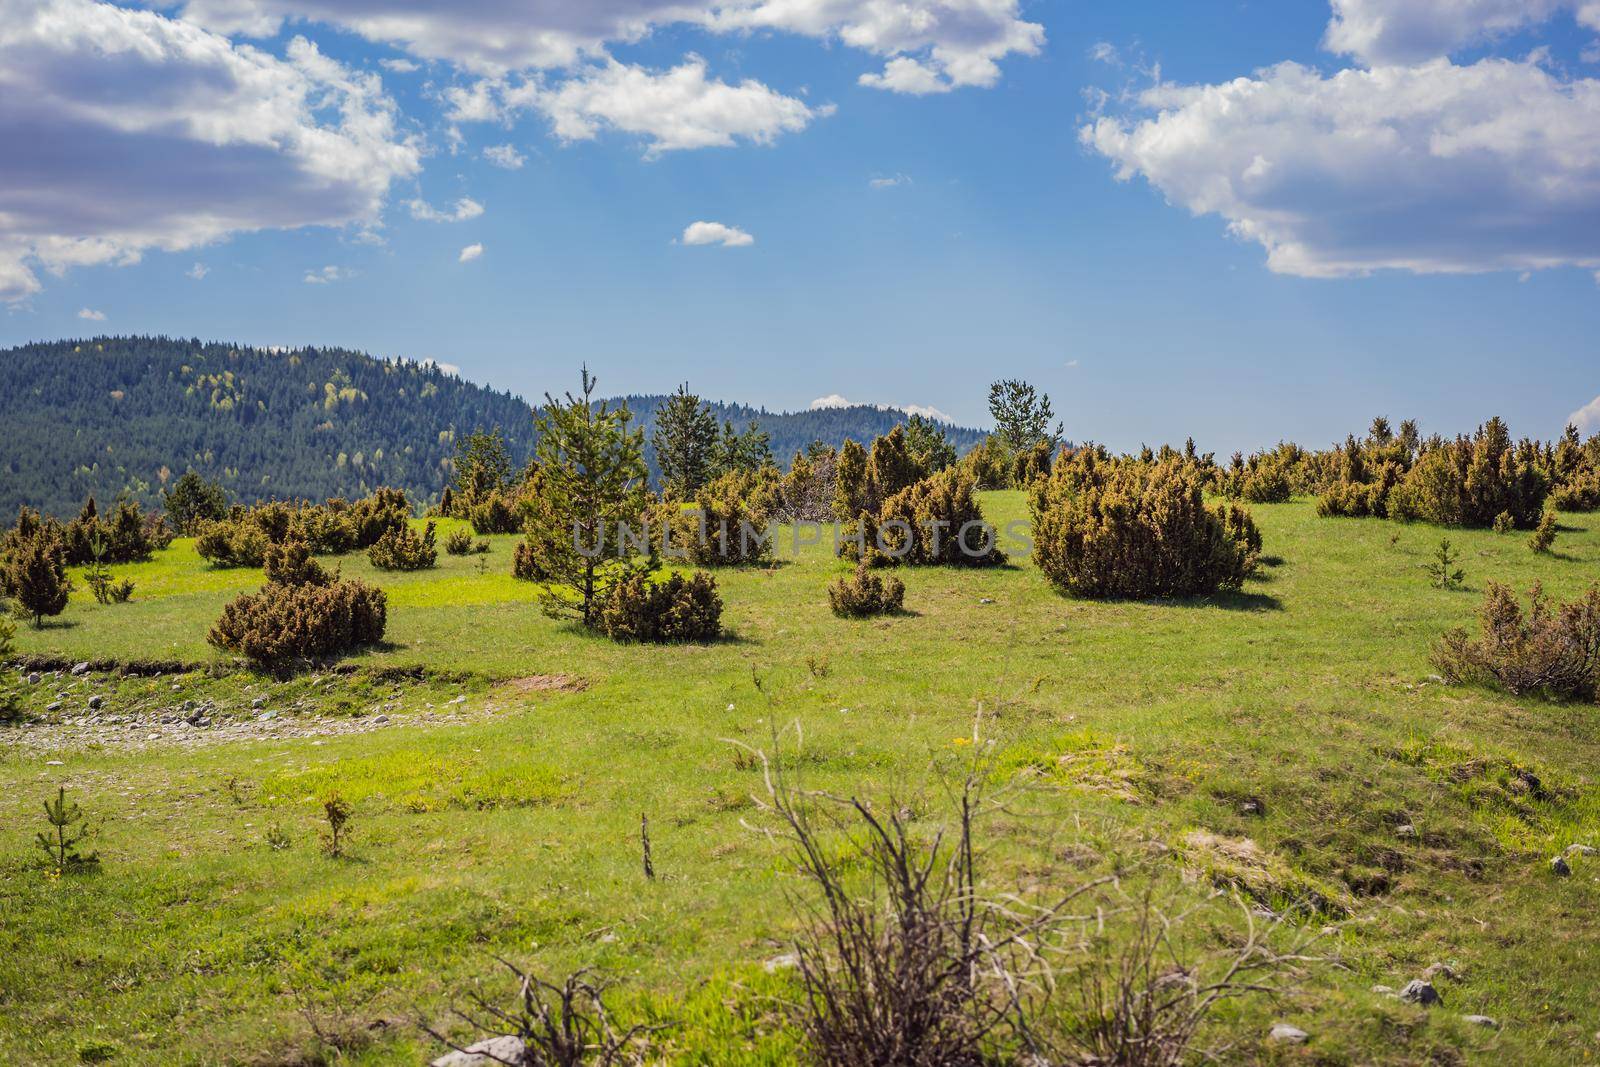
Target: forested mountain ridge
107 415
110 414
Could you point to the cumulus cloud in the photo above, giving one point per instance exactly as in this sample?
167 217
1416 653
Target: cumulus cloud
1587 418
715 233
198 271
470 253
145 132
399 66
465 208
91 314
834 400
1437 167
952 42
1380 32
327 275
505 156
675 109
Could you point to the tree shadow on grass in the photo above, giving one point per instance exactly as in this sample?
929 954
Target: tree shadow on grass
1233 600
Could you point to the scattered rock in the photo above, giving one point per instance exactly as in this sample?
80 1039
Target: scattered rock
80 668
1384 990
1559 867
265 715
1481 1020
1290 1034
1252 806
495 1050
33 679
1417 991
53 763
1580 850
55 705
1405 830
785 962
96 702
1438 970
258 703
986 600
381 719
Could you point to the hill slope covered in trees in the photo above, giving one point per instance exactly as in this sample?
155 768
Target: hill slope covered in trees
131 414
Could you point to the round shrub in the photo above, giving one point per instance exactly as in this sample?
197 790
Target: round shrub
305 621
865 594
678 609
1132 529
727 523
401 549
458 542
935 521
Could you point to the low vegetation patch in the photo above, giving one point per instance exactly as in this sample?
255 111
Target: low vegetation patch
677 609
1550 649
402 549
301 613
866 593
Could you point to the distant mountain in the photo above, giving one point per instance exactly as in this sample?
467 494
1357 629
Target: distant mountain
790 432
130 414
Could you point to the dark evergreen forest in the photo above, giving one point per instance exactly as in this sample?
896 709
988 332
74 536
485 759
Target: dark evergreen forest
109 415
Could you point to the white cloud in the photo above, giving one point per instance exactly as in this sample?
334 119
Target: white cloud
504 155
448 368
464 209
399 66
1380 32
676 109
1433 168
470 253
1105 52
834 400
1591 52
888 183
715 233
957 42
1587 418
327 275
91 315
906 75
198 271
147 132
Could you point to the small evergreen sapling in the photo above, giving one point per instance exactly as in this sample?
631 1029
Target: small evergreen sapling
1443 569
1545 534
68 830
337 811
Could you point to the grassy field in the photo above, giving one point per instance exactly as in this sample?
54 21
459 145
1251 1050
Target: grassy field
1298 714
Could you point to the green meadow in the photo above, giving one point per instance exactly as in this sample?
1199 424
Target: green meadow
1281 744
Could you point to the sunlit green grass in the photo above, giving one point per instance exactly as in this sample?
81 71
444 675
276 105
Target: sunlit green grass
516 832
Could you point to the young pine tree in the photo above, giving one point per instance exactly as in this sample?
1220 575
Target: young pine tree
685 440
1022 415
593 492
483 467
36 575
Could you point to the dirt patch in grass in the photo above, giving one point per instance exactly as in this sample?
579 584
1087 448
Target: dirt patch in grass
543 683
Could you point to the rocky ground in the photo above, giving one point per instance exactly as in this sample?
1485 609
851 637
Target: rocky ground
79 708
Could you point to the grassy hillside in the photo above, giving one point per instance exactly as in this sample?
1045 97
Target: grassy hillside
108 415
1287 740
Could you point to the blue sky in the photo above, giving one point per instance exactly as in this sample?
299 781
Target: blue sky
1136 206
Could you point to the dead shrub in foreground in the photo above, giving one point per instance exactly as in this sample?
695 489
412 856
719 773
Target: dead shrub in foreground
1145 1002
1550 650
904 957
564 1025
